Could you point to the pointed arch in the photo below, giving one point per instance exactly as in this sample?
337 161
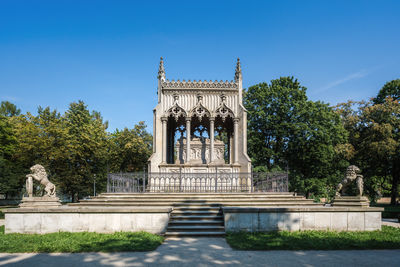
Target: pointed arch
200 111
224 112
176 112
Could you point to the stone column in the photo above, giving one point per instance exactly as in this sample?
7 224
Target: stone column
29 186
212 139
164 139
236 140
187 139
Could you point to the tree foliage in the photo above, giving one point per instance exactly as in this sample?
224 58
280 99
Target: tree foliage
8 109
10 181
75 148
390 89
374 135
130 149
286 130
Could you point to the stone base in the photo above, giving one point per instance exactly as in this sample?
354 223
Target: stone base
100 220
302 218
350 201
40 202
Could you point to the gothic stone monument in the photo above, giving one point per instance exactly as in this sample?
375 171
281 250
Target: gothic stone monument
199 126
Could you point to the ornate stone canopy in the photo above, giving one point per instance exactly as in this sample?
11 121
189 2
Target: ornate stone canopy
199 117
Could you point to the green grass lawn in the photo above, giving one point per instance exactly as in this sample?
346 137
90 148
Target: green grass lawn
388 238
79 242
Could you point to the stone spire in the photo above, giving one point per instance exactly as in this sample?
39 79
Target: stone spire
238 71
161 70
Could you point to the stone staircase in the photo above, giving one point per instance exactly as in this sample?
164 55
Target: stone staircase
196 220
196 214
171 199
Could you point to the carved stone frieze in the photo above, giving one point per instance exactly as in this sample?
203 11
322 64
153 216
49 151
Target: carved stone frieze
199 151
198 84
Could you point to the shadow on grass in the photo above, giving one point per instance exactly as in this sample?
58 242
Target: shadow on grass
138 241
388 238
79 242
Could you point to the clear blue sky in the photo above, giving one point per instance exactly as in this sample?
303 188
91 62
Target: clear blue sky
106 53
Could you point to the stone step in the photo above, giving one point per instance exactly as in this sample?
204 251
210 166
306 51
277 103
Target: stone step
196 205
195 228
198 194
196 234
197 209
195 212
197 217
231 203
184 201
145 196
196 222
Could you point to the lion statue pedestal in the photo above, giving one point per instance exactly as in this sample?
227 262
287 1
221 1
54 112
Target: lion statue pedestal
49 200
352 176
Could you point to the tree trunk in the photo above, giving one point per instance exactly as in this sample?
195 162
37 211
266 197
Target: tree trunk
395 182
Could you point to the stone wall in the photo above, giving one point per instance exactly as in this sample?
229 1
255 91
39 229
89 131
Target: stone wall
100 220
301 218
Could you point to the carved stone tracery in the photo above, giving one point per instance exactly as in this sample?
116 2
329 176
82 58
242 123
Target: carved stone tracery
223 110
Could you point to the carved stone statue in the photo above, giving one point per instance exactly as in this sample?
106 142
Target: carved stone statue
352 175
40 175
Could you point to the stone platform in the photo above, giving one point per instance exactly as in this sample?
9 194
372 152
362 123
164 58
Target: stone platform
302 218
98 219
192 214
351 201
40 202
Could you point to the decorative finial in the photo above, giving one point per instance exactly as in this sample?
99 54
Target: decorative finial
161 70
238 71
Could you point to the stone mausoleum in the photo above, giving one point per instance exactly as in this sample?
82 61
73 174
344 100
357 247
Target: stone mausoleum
200 126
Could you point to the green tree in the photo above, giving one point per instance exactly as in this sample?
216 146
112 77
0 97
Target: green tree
8 109
87 150
374 143
10 176
380 141
286 130
390 89
130 149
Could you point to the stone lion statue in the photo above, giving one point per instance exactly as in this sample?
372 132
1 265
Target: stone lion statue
40 175
352 175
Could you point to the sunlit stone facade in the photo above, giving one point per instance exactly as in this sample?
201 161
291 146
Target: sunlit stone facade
211 113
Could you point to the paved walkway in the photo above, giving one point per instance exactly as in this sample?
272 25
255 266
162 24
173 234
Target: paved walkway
206 252
391 222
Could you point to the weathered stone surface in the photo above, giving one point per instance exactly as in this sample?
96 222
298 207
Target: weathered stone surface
322 221
327 218
106 222
355 221
40 202
351 201
373 221
339 221
307 221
